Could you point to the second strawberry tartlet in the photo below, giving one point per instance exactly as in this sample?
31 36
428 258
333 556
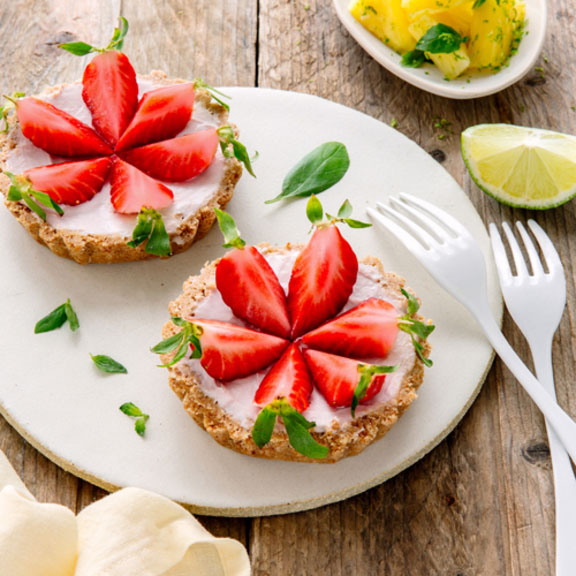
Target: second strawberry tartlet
118 167
297 352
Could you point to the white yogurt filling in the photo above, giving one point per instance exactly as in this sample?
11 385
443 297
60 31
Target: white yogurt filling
97 216
237 397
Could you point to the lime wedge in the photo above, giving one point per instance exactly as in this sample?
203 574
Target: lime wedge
521 167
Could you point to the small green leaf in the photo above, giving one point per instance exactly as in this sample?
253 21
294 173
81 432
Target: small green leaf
417 329
319 170
412 305
21 189
227 139
140 425
414 59
150 229
71 316
33 206
119 35
299 434
52 321
314 210
108 365
345 211
201 84
477 4
228 228
46 201
169 344
131 409
356 223
264 427
78 48
367 372
440 39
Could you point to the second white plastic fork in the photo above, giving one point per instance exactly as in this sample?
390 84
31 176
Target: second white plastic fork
451 255
536 303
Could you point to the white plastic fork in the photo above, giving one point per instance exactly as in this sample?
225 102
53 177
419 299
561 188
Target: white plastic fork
536 303
451 255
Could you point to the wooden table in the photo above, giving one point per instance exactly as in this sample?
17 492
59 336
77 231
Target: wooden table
482 502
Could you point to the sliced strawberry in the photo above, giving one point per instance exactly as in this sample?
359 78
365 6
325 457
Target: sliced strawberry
337 377
289 378
177 159
133 190
161 114
110 91
367 331
322 280
230 351
57 132
70 183
250 287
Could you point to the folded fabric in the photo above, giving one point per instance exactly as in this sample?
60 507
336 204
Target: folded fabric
132 532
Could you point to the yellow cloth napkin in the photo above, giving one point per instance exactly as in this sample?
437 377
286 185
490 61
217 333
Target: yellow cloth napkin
132 532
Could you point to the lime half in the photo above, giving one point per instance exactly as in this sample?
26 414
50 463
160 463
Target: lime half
522 167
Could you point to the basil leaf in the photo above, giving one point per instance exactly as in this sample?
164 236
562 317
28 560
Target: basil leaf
201 84
46 201
317 171
71 316
119 34
133 411
299 436
227 138
413 305
228 228
77 48
52 321
264 426
33 206
440 39
169 344
108 365
414 59
314 210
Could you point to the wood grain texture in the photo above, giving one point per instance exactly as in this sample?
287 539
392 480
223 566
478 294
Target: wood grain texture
482 502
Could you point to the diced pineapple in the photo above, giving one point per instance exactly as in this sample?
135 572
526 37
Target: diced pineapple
386 20
492 33
451 65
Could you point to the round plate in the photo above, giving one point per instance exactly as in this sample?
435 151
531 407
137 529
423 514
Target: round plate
53 394
473 85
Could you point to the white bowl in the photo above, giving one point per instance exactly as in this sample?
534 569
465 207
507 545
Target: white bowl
429 78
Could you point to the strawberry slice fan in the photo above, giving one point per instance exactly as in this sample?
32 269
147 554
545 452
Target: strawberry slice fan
134 144
299 336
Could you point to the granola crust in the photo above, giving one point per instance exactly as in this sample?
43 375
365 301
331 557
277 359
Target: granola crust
344 441
110 248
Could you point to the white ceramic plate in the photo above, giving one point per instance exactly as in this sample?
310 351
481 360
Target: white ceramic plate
472 85
57 399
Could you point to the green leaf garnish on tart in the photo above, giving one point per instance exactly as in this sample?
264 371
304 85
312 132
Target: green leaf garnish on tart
150 229
417 329
239 151
180 342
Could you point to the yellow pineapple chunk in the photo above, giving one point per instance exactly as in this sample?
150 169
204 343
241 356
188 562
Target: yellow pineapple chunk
412 6
451 65
493 33
386 20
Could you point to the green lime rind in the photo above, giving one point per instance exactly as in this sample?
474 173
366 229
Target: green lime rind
499 194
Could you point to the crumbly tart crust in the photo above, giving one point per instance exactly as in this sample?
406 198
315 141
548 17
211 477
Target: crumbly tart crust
343 441
111 248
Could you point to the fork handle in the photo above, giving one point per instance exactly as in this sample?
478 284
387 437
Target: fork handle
564 479
564 426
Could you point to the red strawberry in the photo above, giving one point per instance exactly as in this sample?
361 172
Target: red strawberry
337 377
161 114
230 351
57 132
110 91
250 287
367 331
133 190
289 378
322 280
177 159
71 182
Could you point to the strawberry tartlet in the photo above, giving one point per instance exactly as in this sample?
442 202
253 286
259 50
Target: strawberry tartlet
118 168
297 352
